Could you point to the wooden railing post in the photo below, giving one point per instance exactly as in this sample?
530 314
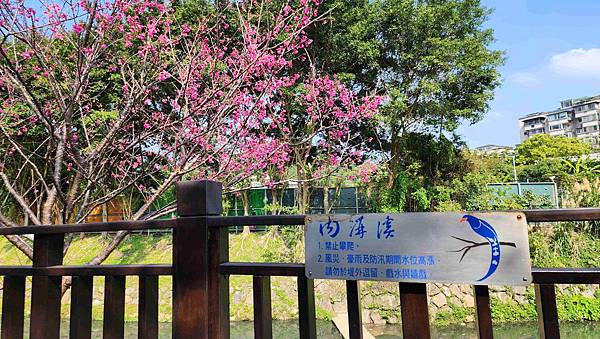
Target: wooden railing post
13 307
80 326
545 300
46 291
354 309
415 311
483 312
148 307
191 257
114 307
218 284
306 308
263 320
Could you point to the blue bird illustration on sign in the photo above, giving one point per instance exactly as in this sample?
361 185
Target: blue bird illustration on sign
485 230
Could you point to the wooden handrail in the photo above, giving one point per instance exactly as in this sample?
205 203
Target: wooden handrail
87 270
264 269
542 215
540 275
112 226
563 214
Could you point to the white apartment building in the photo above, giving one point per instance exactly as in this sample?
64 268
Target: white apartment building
575 118
493 149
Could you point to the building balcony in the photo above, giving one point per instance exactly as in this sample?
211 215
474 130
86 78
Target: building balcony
589 123
584 113
534 126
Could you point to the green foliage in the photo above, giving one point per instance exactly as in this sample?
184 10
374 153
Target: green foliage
420 199
98 115
323 314
511 311
582 167
544 157
456 315
544 146
472 193
578 308
390 313
434 63
284 244
437 55
348 44
545 170
425 164
277 208
565 245
571 307
438 175
393 199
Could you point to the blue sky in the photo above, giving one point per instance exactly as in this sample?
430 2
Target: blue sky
553 53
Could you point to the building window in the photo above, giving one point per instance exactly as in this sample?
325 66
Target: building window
588 118
557 116
533 121
555 127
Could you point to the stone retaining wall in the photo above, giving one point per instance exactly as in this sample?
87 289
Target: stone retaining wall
381 301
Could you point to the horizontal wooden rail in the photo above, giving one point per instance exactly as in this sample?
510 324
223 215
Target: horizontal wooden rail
112 226
140 225
263 269
87 270
257 220
540 275
562 214
566 275
542 215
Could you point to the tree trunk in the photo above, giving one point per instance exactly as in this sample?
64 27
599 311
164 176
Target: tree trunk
302 191
104 219
276 204
394 158
304 197
326 208
246 203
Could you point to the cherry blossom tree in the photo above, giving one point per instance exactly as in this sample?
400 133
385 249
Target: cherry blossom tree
321 128
99 99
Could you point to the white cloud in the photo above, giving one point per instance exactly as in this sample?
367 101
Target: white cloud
577 63
526 79
496 114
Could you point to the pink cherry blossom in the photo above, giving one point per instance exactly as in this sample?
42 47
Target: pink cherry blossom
78 28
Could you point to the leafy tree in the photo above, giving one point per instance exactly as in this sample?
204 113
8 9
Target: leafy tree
348 45
431 58
544 157
102 98
544 146
497 167
428 162
437 66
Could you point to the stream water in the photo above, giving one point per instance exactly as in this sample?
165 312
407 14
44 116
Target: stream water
584 330
288 329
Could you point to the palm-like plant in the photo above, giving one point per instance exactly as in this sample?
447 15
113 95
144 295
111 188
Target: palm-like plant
582 167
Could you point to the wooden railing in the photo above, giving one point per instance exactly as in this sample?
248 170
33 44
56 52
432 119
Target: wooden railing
201 270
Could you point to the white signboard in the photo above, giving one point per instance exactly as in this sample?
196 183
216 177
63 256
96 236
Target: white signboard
473 248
